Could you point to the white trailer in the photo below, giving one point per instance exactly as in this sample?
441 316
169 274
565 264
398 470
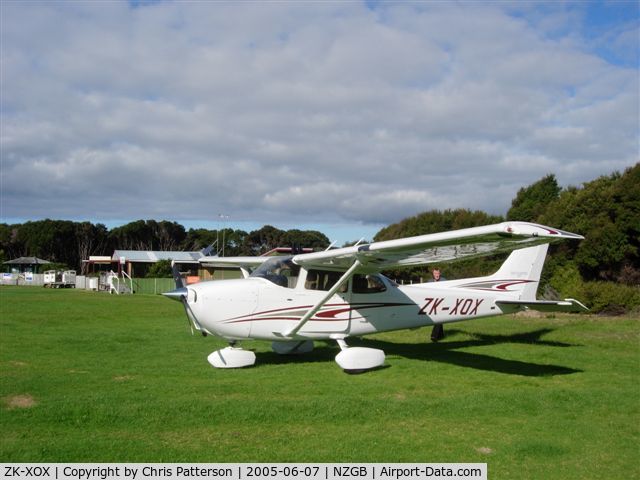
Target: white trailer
60 279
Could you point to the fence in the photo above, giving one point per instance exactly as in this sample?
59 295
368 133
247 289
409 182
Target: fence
28 279
149 286
153 286
156 286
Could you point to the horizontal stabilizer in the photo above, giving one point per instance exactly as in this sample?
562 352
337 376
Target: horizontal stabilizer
567 305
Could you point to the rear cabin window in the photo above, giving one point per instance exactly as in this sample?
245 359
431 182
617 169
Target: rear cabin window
324 280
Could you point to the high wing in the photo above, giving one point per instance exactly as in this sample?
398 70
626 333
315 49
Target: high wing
435 247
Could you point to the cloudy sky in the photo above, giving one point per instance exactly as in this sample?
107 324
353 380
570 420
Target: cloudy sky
340 116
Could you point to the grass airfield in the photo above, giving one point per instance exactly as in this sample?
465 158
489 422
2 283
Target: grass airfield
88 377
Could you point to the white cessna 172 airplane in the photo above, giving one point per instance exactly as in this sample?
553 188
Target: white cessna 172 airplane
340 293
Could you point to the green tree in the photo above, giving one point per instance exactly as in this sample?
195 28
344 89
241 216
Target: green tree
160 269
440 221
90 240
304 238
148 235
137 235
9 242
265 239
53 240
233 242
199 238
168 236
532 201
607 212
435 221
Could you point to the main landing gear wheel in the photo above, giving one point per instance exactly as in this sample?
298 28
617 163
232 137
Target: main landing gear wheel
358 359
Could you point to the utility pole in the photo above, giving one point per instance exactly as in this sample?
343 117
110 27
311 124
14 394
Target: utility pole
224 218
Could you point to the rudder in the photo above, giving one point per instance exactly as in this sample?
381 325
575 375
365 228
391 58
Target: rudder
523 266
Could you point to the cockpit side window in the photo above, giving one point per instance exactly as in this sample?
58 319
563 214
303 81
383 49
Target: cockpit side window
367 284
279 270
323 280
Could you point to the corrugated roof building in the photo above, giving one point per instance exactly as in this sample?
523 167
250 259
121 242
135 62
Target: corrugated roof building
138 262
139 256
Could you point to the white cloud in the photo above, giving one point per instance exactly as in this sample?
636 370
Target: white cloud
299 112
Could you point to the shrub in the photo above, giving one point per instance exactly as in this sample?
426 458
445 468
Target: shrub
160 269
601 297
611 298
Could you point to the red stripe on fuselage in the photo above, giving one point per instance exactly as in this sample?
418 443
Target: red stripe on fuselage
327 315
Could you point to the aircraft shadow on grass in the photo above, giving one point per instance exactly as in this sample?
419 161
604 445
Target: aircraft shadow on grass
447 352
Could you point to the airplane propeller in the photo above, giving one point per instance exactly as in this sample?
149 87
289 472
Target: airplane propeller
180 294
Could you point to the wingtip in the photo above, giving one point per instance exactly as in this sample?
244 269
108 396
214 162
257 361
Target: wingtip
574 236
537 230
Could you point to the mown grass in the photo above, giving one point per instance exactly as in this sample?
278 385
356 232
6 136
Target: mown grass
87 377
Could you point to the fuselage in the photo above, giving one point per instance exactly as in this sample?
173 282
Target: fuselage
264 307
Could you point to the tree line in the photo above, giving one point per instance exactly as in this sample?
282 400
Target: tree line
603 269
67 243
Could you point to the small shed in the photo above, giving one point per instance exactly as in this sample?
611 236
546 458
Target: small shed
97 263
26 264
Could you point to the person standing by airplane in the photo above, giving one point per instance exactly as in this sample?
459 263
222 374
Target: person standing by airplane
437 333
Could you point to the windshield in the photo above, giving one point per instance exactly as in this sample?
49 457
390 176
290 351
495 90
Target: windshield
279 270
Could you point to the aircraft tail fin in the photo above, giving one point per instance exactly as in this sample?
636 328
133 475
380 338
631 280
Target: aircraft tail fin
520 273
517 278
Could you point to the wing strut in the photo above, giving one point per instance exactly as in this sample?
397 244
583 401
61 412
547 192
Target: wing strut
307 316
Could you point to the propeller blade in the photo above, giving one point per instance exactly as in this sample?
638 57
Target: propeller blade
178 294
